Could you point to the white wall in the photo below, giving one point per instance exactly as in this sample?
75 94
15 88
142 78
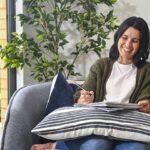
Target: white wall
126 8
19 29
123 9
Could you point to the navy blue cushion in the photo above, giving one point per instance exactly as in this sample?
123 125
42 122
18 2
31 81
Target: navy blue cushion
61 93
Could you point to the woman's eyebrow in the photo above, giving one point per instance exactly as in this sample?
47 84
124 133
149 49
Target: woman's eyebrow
132 38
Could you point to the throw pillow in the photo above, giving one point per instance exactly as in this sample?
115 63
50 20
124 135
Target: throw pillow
61 93
73 122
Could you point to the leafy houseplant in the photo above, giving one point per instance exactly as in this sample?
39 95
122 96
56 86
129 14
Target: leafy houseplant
43 52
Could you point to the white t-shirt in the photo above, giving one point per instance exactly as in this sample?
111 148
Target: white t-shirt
121 83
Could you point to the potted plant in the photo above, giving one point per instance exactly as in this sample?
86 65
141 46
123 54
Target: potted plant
44 52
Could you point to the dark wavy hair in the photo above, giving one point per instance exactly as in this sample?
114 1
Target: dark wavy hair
138 23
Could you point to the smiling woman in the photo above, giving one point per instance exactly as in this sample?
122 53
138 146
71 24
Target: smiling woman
121 78
128 45
138 39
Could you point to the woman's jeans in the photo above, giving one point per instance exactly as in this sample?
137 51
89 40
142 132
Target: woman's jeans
99 143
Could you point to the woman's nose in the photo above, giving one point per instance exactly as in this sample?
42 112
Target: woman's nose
128 44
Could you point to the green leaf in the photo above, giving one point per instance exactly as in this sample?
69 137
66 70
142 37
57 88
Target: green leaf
53 22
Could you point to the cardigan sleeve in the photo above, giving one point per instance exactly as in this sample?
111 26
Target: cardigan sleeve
142 90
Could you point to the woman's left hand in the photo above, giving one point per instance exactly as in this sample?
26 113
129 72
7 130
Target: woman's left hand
144 106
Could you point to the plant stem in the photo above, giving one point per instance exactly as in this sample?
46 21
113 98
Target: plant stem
74 60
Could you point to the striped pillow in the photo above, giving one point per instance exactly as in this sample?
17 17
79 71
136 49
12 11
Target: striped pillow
73 122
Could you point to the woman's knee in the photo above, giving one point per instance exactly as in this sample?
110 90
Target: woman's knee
132 146
90 143
96 143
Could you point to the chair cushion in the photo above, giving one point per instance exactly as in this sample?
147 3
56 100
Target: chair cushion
25 110
73 122
61 93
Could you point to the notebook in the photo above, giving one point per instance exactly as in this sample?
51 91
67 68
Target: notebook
110 106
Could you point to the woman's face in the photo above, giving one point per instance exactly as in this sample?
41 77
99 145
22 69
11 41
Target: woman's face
128 45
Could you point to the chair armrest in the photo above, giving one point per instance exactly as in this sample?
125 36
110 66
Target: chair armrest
25 110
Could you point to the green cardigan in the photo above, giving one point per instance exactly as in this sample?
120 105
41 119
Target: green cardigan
100 72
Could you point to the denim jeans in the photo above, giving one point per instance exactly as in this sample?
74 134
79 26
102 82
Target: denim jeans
100 143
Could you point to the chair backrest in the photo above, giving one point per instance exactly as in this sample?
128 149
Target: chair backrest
25 110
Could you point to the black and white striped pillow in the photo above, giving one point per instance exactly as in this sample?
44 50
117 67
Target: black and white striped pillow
73 122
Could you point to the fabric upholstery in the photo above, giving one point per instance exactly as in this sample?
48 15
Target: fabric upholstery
26 109
73 122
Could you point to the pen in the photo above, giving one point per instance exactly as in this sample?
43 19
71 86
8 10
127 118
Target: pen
79 86
82 88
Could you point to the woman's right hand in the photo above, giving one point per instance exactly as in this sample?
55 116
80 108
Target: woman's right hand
86 97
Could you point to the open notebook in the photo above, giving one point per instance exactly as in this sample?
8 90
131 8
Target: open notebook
111 106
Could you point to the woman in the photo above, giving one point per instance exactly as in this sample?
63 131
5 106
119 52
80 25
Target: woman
123 77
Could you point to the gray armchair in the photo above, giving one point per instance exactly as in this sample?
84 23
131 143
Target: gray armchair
25 110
